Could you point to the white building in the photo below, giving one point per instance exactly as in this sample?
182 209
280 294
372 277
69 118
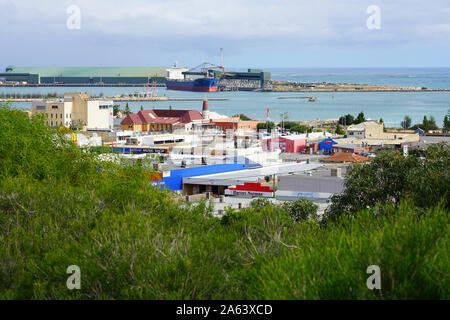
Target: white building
77 109
368 129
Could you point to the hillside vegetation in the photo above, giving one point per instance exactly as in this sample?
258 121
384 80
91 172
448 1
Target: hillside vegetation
60 206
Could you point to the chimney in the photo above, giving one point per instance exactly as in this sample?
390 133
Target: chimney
205 110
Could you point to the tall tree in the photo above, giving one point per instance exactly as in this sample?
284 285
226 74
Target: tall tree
432 124
346 120
406 123
446 124
116 109
127 109
360 118
425 124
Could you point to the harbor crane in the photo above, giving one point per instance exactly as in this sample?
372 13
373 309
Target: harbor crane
206 66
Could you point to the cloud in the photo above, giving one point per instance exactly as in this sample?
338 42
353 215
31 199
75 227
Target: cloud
200 27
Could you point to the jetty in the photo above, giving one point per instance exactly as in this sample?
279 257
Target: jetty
310 99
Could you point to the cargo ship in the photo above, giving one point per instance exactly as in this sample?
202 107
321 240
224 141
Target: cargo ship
200 84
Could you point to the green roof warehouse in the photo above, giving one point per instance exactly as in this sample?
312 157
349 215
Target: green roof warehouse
85 75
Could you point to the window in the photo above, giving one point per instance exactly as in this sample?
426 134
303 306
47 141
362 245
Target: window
52 115
40 107
54 107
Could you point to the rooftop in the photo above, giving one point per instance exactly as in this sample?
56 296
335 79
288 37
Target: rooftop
91 71
346 157
162 116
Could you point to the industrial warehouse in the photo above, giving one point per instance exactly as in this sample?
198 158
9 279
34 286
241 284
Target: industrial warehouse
250 80
85 75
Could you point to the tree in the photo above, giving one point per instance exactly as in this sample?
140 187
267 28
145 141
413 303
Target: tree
432 124
360 118
290 124
259 203
269 125
301 128
346 120
446 124
301 209
116 109
406 123
127 110
142 107
339 129
242 117
391 177
425 124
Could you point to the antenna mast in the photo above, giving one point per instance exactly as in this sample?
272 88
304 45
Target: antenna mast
221 60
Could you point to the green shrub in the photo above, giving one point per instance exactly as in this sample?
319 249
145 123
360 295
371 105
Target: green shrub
301 209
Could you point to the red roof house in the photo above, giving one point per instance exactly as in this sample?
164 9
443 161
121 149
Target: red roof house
160 120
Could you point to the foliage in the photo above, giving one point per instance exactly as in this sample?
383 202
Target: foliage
269 125
360 118
243 117
59 206
301 128
301 209
349 119
339 130
406 123
410 249
390 177
127 110
259 203
346 120
446 123
116 109
427 124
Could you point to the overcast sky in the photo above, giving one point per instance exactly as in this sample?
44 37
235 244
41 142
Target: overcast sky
253 33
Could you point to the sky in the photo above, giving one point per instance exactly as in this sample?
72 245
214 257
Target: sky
252 33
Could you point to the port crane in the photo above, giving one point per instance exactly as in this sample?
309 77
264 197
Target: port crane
206 66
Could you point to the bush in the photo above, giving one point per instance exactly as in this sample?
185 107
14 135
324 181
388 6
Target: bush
391 177
301 209
259 203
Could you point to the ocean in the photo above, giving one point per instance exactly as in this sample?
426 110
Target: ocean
390 106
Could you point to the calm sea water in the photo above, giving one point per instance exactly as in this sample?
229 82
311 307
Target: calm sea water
391 106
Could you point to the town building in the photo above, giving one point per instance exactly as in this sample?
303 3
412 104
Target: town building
367 129
350 148
161 120
289 144
77 109
219 182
